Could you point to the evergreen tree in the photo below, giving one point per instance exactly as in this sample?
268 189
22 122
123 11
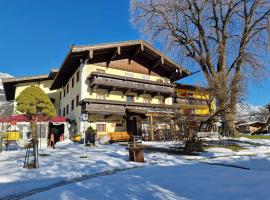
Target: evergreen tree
35 104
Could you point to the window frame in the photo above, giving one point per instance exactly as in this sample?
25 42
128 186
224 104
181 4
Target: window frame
72 104
72 82
102 95
77 100
67 109
132 98
78 76
103 129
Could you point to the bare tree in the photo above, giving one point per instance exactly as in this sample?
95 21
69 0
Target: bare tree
225 38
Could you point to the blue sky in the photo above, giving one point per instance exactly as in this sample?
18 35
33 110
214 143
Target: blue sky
35 35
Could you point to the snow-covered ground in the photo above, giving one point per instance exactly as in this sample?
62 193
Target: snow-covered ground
106 174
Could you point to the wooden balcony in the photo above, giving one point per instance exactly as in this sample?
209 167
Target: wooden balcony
129 84
98 106
191 101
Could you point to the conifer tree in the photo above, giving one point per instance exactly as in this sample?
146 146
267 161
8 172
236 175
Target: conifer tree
36 105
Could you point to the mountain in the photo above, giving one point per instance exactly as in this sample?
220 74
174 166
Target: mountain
249 113
2 94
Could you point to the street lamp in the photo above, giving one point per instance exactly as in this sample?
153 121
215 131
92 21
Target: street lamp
84 118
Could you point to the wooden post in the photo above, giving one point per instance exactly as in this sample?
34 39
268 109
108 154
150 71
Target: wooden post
151 128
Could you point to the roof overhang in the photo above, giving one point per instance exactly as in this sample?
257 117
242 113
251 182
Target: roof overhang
137 50
10 84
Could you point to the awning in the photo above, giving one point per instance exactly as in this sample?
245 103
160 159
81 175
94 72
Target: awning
23 118
14 118
58 119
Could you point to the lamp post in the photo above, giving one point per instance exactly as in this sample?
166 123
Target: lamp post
84 118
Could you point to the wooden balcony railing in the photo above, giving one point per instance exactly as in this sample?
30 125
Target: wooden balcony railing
191 101
115 82
119 107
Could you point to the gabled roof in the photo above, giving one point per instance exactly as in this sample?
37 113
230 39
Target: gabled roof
137 50
251 123
9 84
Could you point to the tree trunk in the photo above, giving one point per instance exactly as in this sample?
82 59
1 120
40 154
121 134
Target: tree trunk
226 103
34 129
35 141
228 124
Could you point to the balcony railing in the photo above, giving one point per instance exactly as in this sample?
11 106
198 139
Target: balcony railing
120 107
115 82
191 101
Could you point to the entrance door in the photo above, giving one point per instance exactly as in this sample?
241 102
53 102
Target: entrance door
132 125
56 133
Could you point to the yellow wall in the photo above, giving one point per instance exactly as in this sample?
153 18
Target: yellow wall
82 88
71 95
197 94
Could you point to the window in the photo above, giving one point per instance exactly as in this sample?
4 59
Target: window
161 101
64 112
101 96
67 109
72 82
77 100
189 111
72 104
78 75
130 98
67 88
101 127
52 100
187 94
146 100
64 92
60 95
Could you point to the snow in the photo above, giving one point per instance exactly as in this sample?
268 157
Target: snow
250 113
3 75
196 181
106 173
2 95
64 144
